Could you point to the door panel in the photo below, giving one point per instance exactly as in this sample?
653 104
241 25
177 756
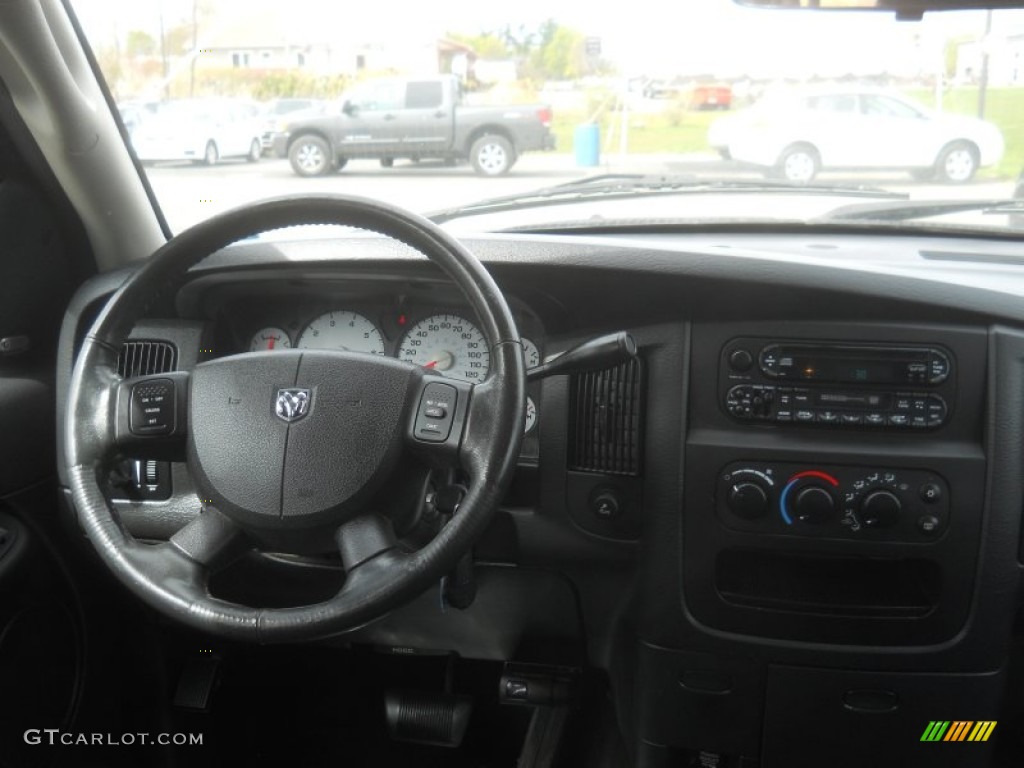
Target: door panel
373 120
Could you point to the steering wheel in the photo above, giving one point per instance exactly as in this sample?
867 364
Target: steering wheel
291 449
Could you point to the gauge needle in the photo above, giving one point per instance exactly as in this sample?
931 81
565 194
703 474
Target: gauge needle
442 363
271 344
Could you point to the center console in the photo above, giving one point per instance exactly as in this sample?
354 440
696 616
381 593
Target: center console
831 526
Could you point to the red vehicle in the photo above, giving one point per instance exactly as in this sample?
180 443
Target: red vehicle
711 97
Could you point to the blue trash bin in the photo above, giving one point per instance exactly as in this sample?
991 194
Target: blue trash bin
587 145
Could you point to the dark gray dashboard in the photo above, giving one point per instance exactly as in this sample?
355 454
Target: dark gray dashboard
674 586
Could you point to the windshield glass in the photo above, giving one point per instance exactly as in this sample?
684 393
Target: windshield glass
753 114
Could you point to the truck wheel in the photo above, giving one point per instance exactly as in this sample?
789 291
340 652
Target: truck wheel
387 162
310 156
492 155
255 151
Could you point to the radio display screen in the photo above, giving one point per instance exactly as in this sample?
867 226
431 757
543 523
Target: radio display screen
861 371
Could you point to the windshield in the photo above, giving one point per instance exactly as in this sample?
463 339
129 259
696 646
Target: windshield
755 115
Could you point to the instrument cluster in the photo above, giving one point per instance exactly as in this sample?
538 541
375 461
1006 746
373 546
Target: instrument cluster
441 339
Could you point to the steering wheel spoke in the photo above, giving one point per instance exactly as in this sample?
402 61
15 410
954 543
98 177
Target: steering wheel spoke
363 539
151 418
211 540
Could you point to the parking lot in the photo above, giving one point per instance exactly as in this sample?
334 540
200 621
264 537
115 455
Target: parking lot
191 193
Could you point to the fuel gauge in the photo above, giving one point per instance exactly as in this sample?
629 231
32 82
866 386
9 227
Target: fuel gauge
270 338
531 415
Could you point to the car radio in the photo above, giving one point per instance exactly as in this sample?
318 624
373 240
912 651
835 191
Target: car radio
838 385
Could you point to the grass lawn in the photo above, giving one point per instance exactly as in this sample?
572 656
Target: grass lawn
676 130
663 132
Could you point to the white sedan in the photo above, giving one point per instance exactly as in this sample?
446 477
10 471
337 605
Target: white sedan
203 131
797 134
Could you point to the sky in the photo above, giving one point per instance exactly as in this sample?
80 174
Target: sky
653 37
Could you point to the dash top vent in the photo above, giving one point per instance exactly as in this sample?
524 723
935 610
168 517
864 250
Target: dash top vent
143 358
606 419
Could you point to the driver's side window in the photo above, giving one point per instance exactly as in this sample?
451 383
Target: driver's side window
379 97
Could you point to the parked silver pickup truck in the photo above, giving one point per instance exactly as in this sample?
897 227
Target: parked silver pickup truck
414 119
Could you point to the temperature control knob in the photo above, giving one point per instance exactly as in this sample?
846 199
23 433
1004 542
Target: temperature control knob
880 509
748 500
814 505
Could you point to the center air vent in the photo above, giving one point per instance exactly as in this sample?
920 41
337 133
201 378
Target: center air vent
606 420
143 358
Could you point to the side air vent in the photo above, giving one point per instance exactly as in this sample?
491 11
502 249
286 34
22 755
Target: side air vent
606 410
143 358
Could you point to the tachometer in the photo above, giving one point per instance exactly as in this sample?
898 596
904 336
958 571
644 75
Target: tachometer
270 338
343 330
449 345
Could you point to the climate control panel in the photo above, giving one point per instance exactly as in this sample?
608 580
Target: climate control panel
831 501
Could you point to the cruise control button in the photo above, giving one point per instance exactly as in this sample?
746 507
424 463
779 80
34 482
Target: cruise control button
434 415
152 407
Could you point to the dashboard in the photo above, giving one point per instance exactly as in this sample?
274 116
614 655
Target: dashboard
801 507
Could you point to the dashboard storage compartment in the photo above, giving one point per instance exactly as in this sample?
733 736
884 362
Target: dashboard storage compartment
837 586
853 719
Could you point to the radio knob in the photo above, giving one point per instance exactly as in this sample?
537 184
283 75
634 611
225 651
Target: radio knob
880 509
814 505
747 500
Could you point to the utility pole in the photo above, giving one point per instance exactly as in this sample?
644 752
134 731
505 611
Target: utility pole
195 50
163 50
983 81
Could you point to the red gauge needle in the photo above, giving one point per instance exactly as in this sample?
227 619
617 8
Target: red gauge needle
431 364
271 344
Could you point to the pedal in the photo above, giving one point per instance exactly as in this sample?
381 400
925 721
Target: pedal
419 717
538 684
197 682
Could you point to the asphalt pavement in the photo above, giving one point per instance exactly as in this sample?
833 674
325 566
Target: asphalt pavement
191 193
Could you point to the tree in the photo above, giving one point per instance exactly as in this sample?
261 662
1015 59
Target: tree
139 43
485 45
563 56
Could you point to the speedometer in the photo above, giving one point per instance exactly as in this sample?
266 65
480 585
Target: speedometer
343 330
449 345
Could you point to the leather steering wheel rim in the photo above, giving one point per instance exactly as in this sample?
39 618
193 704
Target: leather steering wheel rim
171 576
